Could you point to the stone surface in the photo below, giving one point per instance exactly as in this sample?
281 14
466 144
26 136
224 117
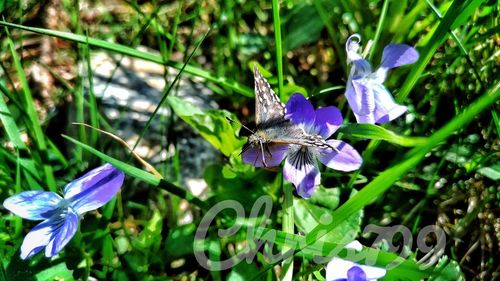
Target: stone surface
129 89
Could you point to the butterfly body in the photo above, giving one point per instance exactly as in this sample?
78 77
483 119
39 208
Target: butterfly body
272 127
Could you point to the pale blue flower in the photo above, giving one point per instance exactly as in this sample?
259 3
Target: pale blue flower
61 215
368 98
343 270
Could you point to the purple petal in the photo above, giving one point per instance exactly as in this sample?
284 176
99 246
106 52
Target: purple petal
360 97
301 170
367 119
273 156
299 110
395 55
328 120
355 105
94 189
33 205
356 274
360 69
64 229
352 46
386 109
347 159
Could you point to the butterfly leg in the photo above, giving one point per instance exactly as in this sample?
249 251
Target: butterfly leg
332 147
262 153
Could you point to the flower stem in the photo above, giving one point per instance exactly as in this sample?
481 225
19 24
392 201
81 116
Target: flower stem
277 39
288 227
380 25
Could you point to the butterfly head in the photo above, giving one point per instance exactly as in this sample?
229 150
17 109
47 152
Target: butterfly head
258 138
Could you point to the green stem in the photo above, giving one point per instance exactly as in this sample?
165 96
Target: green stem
277 39
287 227
288 223
379 28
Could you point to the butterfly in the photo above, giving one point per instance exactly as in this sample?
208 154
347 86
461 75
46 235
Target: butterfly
272 126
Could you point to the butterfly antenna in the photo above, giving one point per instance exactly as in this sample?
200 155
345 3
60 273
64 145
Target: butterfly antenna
243 126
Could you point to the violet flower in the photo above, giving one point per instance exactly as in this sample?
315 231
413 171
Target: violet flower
61 215
301 164
343 270
368 98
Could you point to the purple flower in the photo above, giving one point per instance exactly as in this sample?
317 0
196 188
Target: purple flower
301 164
368 98
61 215
343 270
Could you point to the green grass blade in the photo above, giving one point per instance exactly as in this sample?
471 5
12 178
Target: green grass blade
458 9
325 249
34 123
277 40
230 84
142 175
13 133
370 131
126 168
93 111
9 123
288 216
380 25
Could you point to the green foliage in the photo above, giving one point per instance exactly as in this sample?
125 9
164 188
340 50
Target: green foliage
318 211
370 131
213 125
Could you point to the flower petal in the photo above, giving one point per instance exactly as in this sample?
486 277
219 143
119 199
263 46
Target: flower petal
360 97
301 170
94 189
33 205
373 272
361 67
354 245
355 273
37 239
65 227
347 159
386 108
340 269
299 110
273 157
337 268
395 55
365 119
328 120
352 47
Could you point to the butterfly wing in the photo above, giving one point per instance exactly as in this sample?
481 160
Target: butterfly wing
305 140
267 104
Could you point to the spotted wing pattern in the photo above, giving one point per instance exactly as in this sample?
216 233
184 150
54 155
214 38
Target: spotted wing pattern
268 107
296 135
272 127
